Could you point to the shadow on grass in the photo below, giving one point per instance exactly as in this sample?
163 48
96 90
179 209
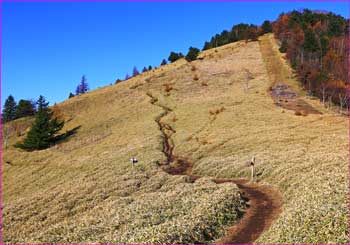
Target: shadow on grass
64 137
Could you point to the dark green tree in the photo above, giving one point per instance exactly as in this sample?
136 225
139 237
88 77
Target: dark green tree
71 95
149 67
43 131
266 27
310 42
192 54
175 56
206 46
144 69
163 62
9 111
25 108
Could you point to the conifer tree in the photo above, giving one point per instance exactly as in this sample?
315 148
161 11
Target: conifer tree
144 69
43 131
83 87
9 111
71 95
310 42
206 46
135 72
175 56
163 62
25 108
192 54
266 27
150 68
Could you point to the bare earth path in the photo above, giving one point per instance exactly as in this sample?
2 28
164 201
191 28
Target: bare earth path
264 202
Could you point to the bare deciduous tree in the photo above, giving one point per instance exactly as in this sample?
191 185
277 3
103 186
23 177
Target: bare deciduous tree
7 131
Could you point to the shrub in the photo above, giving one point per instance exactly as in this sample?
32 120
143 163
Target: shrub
168 87
284 46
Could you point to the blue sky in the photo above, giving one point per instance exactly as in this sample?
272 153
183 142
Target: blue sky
47 47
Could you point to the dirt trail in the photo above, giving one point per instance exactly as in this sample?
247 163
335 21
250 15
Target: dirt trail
286 98
282 94
264 202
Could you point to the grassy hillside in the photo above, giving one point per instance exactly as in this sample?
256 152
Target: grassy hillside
84 190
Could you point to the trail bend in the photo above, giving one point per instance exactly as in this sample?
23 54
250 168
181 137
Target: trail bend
264 202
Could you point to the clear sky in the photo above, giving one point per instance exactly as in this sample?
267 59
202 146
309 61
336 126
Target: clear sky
47 47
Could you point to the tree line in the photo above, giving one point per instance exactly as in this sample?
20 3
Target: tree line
43 132
12 110
190 56
317 47
237 33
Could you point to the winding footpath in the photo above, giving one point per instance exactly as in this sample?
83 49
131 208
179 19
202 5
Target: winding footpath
264 202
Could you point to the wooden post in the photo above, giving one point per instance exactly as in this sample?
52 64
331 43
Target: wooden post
252 173
252 163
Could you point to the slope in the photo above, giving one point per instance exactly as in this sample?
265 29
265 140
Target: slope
222 114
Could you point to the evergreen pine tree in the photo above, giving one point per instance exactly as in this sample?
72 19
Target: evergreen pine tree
135 72
192 54
71 95
127 76
310 41
149 67
206 46
266 27
175 56
163 62
83 87
9 111
43 130
25 108
144 69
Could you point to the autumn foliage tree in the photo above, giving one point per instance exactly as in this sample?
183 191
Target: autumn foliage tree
317 46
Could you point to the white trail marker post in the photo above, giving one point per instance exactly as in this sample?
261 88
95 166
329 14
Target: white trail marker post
252 163
133 160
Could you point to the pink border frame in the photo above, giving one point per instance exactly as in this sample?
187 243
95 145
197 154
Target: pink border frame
2 1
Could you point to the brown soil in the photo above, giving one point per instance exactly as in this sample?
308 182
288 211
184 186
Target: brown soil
265 206
264 202
286 98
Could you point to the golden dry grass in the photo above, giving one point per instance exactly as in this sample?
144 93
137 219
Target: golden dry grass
84 190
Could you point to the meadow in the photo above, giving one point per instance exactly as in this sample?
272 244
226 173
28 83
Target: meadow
84 190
